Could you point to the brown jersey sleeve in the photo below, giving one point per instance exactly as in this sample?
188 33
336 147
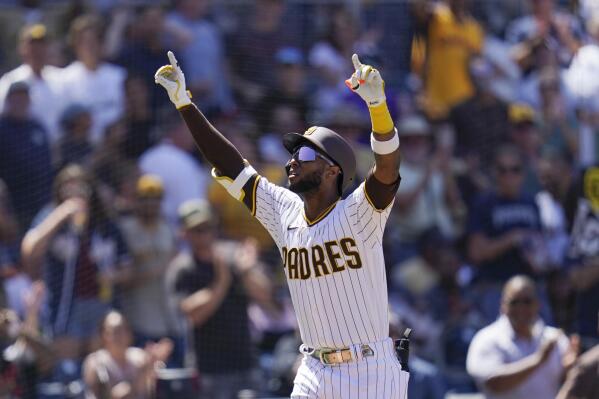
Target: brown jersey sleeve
379 194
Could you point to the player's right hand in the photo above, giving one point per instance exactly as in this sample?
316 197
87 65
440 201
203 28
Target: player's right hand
172 79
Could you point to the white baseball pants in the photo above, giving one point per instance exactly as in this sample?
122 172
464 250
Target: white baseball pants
378 376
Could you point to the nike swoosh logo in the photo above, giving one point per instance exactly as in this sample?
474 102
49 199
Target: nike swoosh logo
292 227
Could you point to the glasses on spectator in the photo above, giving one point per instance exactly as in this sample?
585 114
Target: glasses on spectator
309 154
526 301
511 169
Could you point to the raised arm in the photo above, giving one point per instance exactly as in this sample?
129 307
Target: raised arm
366 81
219 151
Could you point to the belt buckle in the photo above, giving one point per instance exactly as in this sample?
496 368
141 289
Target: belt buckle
322 353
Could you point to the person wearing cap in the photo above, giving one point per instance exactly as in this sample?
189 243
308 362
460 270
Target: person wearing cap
151 242
212 286
428 195
526 135
329 234
25 155
75 145
43 79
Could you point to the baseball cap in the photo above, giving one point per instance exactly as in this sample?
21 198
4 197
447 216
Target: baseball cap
519 114
193 213
289 56
34 32
413 125
149 186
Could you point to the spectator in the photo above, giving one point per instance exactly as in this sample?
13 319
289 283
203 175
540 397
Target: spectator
214 297
113 171
453 37
81 255
46 103
139 118
518 356
556 177
144 47
526 135
557 30
583 380
290 93
25 356
74 145
427 196
504 232
22 140
582 255
118 370
152 246
481 122
577 77
9 230
180 172
252 53
329 59
91 81
558 125
203 56
13 282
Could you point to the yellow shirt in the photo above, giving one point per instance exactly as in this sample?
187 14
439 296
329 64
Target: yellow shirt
451 44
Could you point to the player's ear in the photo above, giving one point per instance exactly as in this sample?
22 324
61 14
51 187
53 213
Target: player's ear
334 171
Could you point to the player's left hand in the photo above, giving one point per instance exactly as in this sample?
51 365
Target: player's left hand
367 82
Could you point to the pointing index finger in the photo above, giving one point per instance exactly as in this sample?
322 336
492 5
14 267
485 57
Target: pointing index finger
356 61
172 59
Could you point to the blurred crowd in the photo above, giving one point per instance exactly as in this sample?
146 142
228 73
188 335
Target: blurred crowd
126 272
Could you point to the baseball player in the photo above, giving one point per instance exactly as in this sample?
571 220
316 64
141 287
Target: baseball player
331 244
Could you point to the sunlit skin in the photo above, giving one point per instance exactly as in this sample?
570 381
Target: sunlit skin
519 303
315 181
510 175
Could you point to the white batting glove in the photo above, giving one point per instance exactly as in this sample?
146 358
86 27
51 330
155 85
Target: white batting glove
172 79
367 82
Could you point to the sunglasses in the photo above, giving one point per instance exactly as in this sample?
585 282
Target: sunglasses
309 154
527 301
509 169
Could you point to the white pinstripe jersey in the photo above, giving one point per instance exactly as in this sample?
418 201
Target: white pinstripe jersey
334 264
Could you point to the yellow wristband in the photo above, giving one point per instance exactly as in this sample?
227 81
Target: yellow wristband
381 119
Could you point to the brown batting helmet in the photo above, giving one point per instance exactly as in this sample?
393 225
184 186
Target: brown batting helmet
329 143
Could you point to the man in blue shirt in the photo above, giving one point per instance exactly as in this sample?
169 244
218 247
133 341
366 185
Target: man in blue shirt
25 159
504 231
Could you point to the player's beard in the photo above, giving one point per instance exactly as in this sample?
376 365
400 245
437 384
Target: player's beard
309 183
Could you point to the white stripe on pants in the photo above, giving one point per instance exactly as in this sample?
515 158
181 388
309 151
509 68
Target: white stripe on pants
373 377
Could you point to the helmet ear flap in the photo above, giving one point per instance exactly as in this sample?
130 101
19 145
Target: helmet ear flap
288 167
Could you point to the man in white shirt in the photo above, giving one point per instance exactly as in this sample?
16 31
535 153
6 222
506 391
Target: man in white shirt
518 356
89 80
182 175
42 79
